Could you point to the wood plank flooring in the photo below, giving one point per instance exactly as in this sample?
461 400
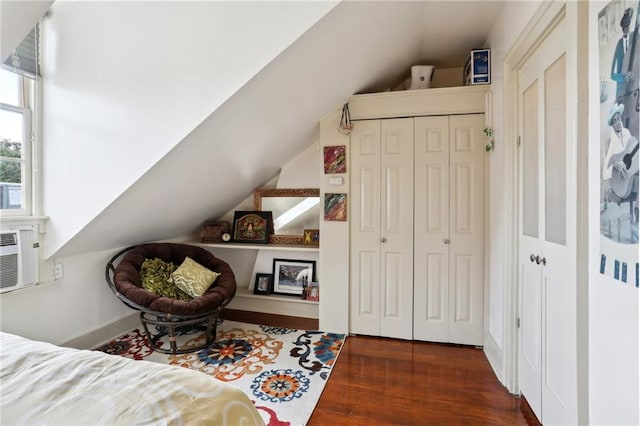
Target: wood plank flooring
379 381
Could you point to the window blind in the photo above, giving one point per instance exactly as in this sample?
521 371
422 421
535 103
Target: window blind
24 59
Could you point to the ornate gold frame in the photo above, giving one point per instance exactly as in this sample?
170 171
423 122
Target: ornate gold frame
260 193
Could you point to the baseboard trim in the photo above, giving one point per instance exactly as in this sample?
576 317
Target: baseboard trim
494 355
274 320
104 334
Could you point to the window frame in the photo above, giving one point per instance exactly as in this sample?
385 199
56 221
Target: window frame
30 149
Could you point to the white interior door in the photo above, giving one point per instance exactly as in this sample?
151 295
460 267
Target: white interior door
364 280
449 229
466 229
431 248
381 276
396 236
547 334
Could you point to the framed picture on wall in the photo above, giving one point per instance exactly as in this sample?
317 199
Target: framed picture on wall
335 159
291 277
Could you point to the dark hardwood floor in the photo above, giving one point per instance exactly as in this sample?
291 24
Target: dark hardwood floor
380 381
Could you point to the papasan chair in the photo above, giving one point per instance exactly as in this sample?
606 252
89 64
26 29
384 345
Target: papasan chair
165 316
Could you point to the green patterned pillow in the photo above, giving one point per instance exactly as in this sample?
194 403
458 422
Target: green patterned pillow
155 276
193 278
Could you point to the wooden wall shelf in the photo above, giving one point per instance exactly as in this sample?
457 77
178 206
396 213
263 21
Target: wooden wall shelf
287 247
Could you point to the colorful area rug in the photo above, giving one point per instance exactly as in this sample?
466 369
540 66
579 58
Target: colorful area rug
282 370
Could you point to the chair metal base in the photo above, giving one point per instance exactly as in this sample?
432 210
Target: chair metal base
172 326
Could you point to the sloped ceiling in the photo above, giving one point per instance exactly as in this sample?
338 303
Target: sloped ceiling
357 47
17 18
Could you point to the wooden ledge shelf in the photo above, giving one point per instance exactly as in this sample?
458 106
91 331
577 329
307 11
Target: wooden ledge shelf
245 292
245 300
288 247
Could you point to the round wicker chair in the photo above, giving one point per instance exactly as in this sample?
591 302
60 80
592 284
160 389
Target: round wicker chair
163 316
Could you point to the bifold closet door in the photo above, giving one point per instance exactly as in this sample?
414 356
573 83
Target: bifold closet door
381 281
449 229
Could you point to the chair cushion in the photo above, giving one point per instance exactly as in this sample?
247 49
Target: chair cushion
127 278
155 276
193 278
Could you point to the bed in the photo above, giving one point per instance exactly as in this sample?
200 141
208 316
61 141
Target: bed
47 384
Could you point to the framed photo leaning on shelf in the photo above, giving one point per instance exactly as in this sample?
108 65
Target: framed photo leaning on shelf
263 284
291 277
252 227
313 292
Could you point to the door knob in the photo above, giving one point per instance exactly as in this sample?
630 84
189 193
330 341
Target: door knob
544 261
538 260
532 257
446 241
383 240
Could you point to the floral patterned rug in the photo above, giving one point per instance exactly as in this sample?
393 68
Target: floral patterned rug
282 370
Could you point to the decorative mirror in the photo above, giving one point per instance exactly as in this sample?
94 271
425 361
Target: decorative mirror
294 210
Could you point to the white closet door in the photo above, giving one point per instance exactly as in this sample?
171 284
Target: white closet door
466 229
396 233
449 229
381 284
431 251
364 282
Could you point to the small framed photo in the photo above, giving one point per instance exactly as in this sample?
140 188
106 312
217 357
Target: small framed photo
313 291
213 230
252 227
291 277
263 284
311 237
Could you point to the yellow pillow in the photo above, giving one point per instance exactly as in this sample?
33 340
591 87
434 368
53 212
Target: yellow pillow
193 278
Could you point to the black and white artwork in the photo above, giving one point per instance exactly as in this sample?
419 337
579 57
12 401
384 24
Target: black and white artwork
619 121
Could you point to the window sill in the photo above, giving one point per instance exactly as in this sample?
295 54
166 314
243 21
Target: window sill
11 222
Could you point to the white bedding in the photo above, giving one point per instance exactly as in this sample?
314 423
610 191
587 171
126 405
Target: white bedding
43 384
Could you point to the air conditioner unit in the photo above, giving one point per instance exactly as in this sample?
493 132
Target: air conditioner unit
18 259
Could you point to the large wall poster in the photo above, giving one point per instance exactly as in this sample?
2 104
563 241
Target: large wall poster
619 55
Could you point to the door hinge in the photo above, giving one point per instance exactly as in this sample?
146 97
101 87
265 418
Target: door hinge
519 141
518 322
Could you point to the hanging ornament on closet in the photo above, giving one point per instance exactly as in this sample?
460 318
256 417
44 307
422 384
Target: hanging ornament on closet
345 121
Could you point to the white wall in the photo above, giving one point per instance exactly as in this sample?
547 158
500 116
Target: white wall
334 251
112 111
125 82
508 27
614 329
60 311
81 302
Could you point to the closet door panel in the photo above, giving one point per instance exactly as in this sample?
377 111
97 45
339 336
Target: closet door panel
365 229
467 159
367 300
396 236
431 268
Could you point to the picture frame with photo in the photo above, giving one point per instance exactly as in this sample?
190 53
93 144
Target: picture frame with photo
252 227
313 291
311 237
292 276
263 284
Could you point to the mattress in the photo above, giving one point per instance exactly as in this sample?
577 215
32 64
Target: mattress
46 384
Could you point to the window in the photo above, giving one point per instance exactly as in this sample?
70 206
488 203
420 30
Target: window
18 79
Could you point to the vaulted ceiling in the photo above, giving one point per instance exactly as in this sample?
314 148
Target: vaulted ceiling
356 47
